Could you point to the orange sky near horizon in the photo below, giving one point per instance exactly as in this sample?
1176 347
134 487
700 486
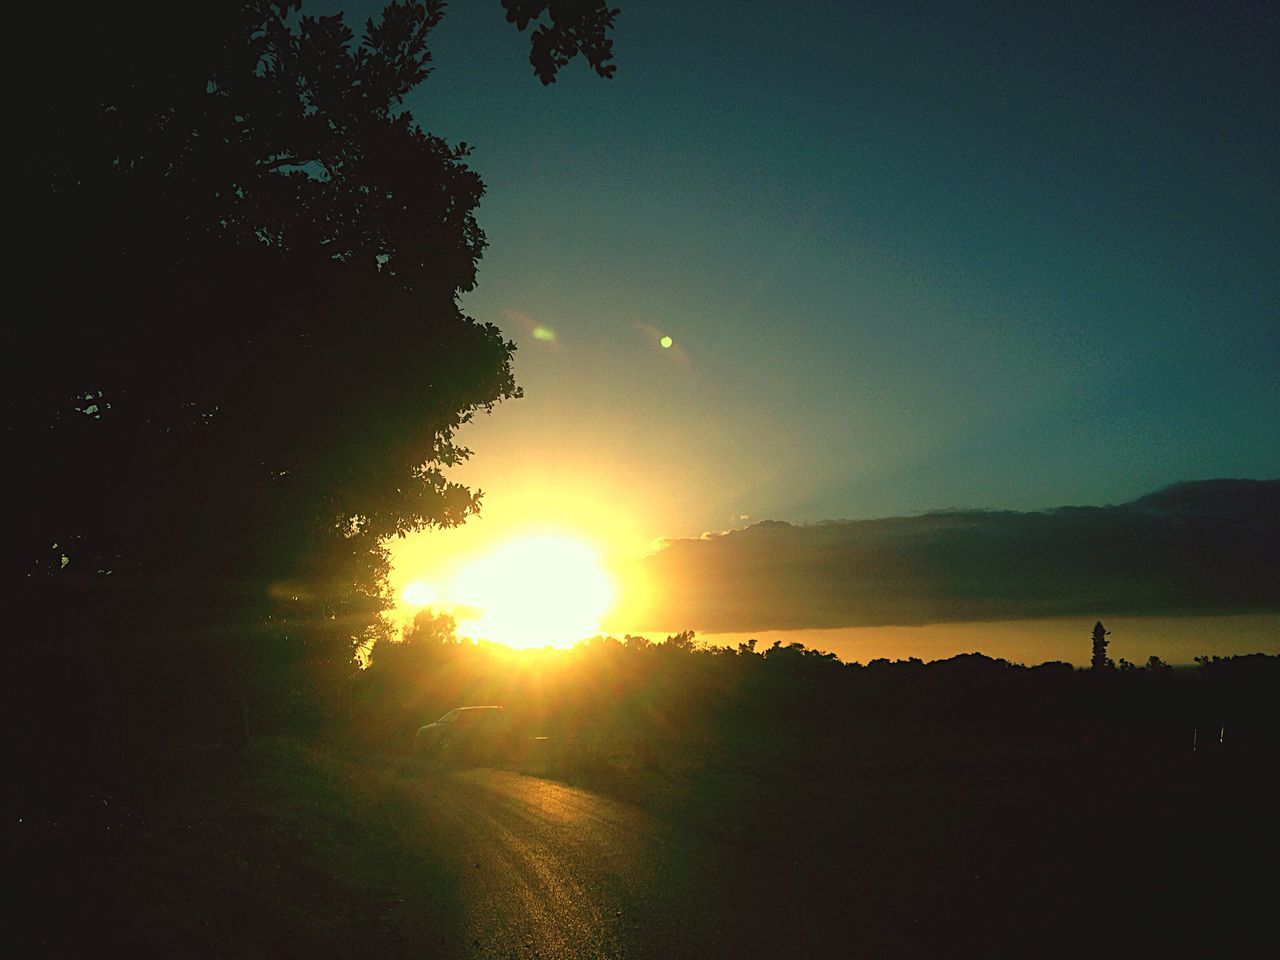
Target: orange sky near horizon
619 517
1176 640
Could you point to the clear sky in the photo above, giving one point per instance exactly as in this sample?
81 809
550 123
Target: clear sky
910 256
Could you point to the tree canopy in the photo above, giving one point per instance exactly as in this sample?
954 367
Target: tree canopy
241 358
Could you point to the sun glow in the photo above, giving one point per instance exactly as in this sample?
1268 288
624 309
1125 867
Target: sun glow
419 594
555 556
540 590
536 589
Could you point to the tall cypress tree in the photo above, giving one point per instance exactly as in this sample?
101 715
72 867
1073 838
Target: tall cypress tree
1100 660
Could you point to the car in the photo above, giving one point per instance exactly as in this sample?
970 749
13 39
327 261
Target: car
480 732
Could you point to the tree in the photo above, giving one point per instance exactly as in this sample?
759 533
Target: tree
682 642
1100 660
577 26
243 362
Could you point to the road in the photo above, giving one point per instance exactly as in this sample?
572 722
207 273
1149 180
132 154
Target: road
927 858
547 870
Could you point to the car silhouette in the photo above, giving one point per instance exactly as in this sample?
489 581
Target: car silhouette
473 733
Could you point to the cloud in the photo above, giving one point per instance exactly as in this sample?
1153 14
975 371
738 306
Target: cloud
1193 548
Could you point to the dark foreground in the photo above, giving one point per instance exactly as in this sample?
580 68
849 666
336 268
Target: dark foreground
922 844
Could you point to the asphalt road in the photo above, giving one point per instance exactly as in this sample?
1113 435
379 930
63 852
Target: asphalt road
928 858
546 870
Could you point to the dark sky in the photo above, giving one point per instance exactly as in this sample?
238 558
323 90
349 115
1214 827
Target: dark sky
911 256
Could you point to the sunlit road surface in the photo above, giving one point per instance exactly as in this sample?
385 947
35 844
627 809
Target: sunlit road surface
545 870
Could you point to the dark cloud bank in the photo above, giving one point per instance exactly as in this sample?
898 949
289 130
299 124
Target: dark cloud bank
1194 548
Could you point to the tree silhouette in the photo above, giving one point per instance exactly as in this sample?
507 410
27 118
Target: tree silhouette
576 27
243 363
1100 660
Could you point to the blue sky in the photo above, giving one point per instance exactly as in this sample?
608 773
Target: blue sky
912 257
916 258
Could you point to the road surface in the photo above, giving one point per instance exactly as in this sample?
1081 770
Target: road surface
546 870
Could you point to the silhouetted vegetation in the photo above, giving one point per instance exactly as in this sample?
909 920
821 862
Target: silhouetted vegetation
686 701
242 360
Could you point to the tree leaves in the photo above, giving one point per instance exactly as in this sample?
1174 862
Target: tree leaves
241 361
575 27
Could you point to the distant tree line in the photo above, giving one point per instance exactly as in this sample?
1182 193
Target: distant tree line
726 701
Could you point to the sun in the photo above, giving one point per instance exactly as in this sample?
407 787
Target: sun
535 591
418 594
